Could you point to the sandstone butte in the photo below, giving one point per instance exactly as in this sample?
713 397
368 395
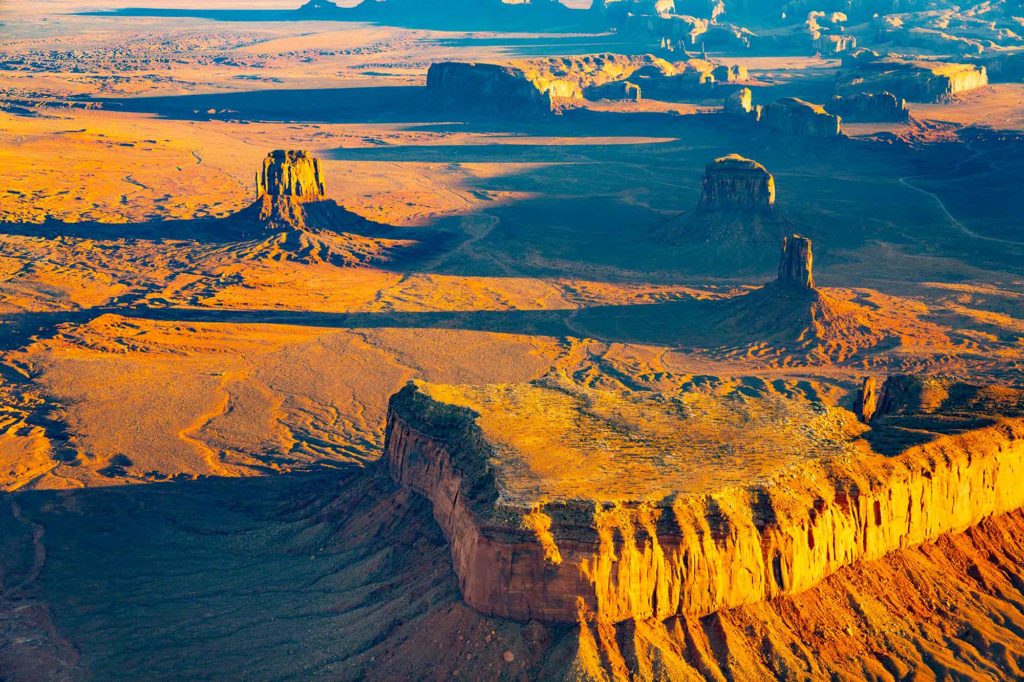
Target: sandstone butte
916 80
736 183
719 544
291 173
796 118
554 84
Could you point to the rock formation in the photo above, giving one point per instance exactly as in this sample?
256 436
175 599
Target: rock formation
869 107
735 183
698 553
797 118
554 84
913 80
497 90
290 173
796 263
867 400
741 103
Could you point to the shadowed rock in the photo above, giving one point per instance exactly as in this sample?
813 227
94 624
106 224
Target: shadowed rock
868 107
797 118
291 173
736 183
796 263
741 103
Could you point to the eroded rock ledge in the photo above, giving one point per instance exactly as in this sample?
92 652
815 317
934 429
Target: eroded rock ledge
688 554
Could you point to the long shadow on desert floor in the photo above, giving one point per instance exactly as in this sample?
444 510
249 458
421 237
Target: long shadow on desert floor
306 574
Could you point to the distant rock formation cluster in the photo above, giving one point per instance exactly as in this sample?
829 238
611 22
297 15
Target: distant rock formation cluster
796 118
735 183
290 173
545 85
915 80
796 264
869 107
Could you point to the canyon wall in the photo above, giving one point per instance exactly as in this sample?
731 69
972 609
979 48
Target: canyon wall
697 554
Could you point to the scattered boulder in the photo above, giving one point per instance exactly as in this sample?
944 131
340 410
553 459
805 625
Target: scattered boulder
797 118
292 173
869 107
735 183
796 263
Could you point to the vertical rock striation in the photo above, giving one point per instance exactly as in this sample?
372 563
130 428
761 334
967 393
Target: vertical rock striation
796 118
290 173
796 263
735 183
699 553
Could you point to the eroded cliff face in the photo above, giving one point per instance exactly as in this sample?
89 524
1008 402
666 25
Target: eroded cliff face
697 554
735 183
797 118
868 107
290 173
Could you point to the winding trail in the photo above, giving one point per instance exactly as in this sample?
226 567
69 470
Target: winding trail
942 206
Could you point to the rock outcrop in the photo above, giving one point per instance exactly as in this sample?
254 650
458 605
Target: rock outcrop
796 118
555 84
498 90
909 79
696 554
741 103
869 107
290 173
796 263
735 183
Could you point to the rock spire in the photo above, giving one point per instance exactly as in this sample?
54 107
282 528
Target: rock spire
796 263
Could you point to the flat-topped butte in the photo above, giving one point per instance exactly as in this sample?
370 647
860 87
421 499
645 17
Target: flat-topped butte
556 440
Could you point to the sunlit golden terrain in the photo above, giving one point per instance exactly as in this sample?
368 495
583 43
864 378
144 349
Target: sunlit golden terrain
719 466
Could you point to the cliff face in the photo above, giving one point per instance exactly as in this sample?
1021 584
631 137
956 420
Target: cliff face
866 107
797 118
291 173
553 84
494 89
699 554
915 81
796 264
737 184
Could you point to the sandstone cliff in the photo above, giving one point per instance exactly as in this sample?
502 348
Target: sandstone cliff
741 103
734 183
797 118
689 555
909 79
869 107
796 263
554 84
290 173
